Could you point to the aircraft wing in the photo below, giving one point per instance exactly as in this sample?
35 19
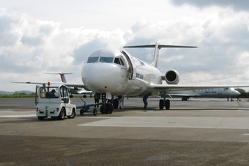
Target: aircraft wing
168 88
75 88
51 83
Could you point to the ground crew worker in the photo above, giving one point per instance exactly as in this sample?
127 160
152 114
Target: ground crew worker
96 99
145 100
120 102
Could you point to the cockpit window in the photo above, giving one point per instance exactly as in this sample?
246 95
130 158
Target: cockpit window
106 59
119 61
92 59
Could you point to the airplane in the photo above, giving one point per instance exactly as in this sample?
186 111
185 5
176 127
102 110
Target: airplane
215 92
62 76
74 88
114 72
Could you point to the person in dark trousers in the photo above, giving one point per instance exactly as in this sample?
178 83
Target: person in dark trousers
96 99
120 102
145 100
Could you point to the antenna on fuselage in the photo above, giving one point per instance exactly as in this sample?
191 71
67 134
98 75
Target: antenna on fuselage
157 47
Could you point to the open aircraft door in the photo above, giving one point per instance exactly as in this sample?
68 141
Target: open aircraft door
132 66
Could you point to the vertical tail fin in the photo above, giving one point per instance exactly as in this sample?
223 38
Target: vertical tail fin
62 75
156 55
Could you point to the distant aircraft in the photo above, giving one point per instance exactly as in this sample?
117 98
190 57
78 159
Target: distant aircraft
74 89
215 92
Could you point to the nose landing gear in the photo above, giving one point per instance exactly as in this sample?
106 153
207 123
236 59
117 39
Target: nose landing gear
106 107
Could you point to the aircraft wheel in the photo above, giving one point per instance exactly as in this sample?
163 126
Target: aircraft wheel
82 111
94 112
161 104
102 110
110 111
40 117
73 114
167 104
62 114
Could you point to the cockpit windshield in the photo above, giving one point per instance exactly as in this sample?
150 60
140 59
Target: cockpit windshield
101 59
106 59
92 59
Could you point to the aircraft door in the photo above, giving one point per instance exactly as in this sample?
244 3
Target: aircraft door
132 66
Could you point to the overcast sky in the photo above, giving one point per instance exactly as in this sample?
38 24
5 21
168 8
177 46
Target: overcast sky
37 37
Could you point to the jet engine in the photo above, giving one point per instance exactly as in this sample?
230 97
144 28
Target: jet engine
172 77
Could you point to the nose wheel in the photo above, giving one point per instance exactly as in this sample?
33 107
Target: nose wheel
106 107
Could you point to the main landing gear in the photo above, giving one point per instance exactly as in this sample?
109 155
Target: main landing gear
164 103
107 106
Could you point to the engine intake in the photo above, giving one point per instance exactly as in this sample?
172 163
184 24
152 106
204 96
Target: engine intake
172 77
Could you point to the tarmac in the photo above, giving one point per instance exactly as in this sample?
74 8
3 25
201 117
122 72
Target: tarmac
201 131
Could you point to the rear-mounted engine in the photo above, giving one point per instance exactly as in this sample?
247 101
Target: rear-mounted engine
172 77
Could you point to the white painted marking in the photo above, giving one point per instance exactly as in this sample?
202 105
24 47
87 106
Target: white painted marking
179 122
17 116
247 134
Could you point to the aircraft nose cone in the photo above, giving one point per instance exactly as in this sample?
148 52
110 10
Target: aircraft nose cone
237 93
100 77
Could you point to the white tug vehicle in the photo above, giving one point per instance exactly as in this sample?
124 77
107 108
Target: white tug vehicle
54 102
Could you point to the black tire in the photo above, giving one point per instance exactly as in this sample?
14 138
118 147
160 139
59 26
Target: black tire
167 104
41 117
161 104
82 111
62 114
102 110
94 112
110 111
72 114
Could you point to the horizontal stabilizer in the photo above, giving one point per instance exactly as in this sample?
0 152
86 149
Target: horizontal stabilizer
159 46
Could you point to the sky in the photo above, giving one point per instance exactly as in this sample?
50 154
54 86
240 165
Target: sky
37 37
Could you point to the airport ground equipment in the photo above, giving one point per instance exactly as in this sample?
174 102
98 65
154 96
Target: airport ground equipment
55 105
85 107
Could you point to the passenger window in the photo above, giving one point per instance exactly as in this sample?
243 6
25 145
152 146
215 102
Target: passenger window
92 59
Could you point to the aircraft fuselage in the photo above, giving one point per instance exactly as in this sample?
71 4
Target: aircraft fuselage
111 71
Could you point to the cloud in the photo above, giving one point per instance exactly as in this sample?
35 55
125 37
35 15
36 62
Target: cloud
237 5
30 47
222 40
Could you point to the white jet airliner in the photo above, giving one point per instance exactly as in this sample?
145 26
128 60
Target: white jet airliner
215 92
110 71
